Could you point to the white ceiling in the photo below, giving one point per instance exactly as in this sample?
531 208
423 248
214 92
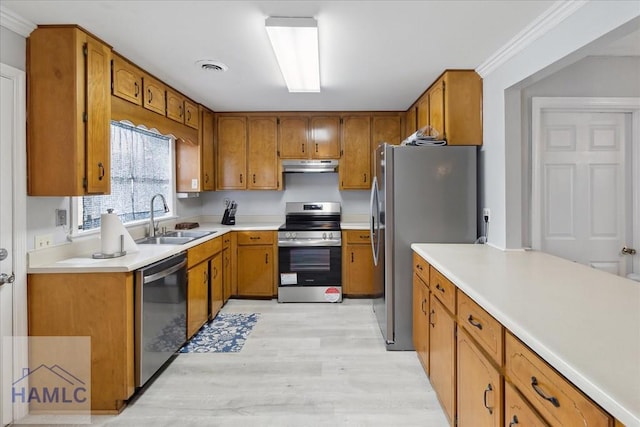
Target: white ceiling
374 55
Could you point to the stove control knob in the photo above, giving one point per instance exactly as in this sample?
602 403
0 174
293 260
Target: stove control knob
324 236
293 235
287 235
330 236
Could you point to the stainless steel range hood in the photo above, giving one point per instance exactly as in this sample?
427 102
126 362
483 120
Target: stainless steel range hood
304 165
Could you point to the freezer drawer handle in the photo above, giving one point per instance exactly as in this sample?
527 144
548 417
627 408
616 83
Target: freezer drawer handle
474 322
536 387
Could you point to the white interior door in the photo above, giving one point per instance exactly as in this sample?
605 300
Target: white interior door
6 255
585 198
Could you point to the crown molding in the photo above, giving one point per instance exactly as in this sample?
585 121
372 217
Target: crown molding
549 19
15 22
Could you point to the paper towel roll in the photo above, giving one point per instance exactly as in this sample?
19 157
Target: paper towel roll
110 231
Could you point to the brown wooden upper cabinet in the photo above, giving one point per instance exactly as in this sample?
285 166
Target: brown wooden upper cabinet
127 80
153 94
385 129
195 160
355 164
69 112
232 153
262 166
325 137
452 106
293 137
181 109
411 123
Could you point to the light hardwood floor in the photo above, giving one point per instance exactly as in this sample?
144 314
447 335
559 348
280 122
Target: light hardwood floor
302 365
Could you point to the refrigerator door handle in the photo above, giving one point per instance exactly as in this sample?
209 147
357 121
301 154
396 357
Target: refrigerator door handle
374 222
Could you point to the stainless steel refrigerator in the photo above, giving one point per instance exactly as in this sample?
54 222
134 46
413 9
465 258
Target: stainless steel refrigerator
419 194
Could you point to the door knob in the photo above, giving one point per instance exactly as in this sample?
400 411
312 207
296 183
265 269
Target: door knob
628 251
4 278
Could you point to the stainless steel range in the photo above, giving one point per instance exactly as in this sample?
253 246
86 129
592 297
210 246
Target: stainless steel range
310 253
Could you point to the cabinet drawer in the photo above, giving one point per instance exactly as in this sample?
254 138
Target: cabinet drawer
358 236
443 289
203 251
421 268
486 330
255 237
517 411
226 241
557 400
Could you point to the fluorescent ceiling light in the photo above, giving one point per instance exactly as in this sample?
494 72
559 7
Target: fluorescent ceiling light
295 43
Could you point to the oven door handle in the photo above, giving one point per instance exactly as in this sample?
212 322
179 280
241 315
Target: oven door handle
164 273
308 243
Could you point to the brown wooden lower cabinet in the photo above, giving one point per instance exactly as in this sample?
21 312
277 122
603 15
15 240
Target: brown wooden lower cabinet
517 412
197 297
256 263
357 264
479 386
421 307
97 305
216 298
442 356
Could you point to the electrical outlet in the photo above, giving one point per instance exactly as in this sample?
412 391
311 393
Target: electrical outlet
61 217
43 241
486 214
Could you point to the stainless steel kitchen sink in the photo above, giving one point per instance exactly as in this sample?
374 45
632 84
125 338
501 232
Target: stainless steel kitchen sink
177 237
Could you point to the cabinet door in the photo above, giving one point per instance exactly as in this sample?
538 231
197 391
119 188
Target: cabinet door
422 111
325 137
197 297
191 117
215 286
255 270
442 344
127 81
421 321
263 154
175 106
517 412
232 153
154 98
293 137
411 122
355 164
479 386
226 274
98 143
436 109
385 129
206 145
359 267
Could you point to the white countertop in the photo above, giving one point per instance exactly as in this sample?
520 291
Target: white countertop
64 260
584 322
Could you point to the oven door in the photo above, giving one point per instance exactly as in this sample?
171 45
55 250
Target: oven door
310 266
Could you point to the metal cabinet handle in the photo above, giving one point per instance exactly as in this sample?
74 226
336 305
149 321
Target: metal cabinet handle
365 177
431 313
254 178
440 288
542 394
474 322
352 257
180 113
136 89
419 267
206 177
215 272
422 305
487 390
150 95
303 148
188 115
266 258
316 147
102 172
240 178
254 237
514 421
206 277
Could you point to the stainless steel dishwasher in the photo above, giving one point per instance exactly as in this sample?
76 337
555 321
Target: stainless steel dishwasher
161 314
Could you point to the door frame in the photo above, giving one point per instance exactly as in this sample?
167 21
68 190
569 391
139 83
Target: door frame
587 104
19 154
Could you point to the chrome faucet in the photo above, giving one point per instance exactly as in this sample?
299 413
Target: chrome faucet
153 228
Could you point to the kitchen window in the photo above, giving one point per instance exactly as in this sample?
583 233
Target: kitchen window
141 166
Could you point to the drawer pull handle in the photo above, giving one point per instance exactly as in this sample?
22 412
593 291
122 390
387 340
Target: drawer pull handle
514 421
440 288
266 258
474 322
487 390
364 236
254 237
536 387
419 267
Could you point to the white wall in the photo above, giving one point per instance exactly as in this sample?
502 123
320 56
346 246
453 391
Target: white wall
13 49
501 157
298 187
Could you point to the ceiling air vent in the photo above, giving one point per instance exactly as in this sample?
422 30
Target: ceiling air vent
209 65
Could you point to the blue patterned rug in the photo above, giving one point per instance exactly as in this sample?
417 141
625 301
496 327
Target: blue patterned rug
226 333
